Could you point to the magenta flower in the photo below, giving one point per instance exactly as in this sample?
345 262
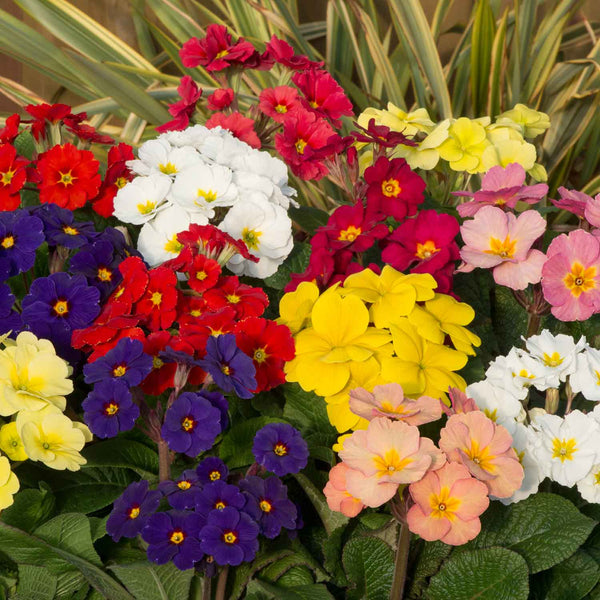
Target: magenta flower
571 276
502 187
499 240
572 201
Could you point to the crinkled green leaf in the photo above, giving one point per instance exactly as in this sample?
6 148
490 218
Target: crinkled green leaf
30 509
296 262
427 563
123 453
154 582
35 583
316 591
571 579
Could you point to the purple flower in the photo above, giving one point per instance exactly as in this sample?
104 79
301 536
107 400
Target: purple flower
217 496
230 368
20 236
174 535
230 537
184 492
10 320
212 469
126 362
131 510
220 403
118 243
280 448
110 409
191 424
268 504
60 227
99 266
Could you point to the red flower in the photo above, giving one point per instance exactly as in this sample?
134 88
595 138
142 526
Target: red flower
157 308
281 52
162 374
213 243
10 131
323 94
270 346
74 123
210 323
69 177
215 52
52 113
134 284
240 126
220 99
12 177
246 301
278 102
117 175
394 190
183 109
204 273
190 309
302 130
380 134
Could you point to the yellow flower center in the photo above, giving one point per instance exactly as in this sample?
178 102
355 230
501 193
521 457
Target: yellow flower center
229 537
195 313
314 104
553 360
66 178
184 485
119 370
168 168
220 505
503 249
201 275
349 234
225 370
173 245
156 298
390 463
214 475
61 308
111 409
8 242
260 355
177 536
388 408
280 449
597 478
232 298
443 506
390 188
146 208
426 250
208 196
265 506
491 414
281 108
481 456
157 363
188 423
300 145
134 512
70 230
580 279
251 238
121 182
104 274
564 449
222 53
7 177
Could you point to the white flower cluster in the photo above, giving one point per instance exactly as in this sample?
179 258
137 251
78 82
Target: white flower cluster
185 176
565 449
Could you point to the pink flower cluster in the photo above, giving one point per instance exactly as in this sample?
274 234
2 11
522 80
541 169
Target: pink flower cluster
449 485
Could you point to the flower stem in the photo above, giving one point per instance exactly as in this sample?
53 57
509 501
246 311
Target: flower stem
206 587
164 461
222 584
399 580
533 324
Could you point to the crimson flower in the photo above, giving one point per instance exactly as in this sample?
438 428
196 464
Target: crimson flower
117 175
189 309
42 113
278 102
380 134
157 308
282 53
12 177
183 109
240 126
203 273
74 123
162 374
221 98
246 301
10 131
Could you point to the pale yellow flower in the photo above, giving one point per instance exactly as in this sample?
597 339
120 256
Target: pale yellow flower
11 443
9 484
465 145
531 122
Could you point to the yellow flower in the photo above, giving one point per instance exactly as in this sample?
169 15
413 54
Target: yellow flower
465 144
446 316
9 484
52 438
392 294
32 376
426 155
409 123
340 334
422 365
339 444
295 307
507 146
11 443
531 122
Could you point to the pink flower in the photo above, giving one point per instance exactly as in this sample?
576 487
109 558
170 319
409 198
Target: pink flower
448 503
571 276
485 449
385 455
183 109
278 102
572 201
502 187
337 495
389 401
459 403
240 126
592 211
499 240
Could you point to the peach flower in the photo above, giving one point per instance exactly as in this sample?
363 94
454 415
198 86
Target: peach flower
337 495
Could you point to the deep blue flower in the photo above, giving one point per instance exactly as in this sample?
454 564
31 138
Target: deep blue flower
20 236
212 469
218 495
109 409
10 320
230 537
230 368
60 227
268 504
191 424
131 510
126 362
98 264
280 448
173 535
118 243
184 491
219 402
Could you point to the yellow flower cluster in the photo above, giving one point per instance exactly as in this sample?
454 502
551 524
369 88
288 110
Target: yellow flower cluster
471 145
33 384
376 329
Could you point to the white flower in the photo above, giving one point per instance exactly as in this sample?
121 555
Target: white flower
158 238
515 373
522 443
203 188
222 148
557 353
499 405
139 200
158 156
192 136
589 486
267 231
586 379
566 448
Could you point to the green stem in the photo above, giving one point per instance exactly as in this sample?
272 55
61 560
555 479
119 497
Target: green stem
222 584
533 324
399 580
164 461
206 587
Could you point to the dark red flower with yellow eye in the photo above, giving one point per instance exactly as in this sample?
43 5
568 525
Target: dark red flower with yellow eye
209 324
12 177
269 345
394 190
157 308
162 374
246 301
190 309
68 177
203 273
278 102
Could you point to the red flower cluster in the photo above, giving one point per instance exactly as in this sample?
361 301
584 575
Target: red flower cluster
183 109
12 177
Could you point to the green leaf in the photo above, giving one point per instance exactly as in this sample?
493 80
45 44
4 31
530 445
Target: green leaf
296 576
123 453
30 509
296 262
490 574
573 578
482 35
332 549
369 565
154 582
35 583
428 562
509 318
316 591
544 529
308 217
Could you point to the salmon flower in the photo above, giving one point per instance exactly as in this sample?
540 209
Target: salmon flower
337 495
447 506
485 449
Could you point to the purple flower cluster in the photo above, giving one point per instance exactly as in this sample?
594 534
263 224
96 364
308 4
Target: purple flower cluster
280 448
